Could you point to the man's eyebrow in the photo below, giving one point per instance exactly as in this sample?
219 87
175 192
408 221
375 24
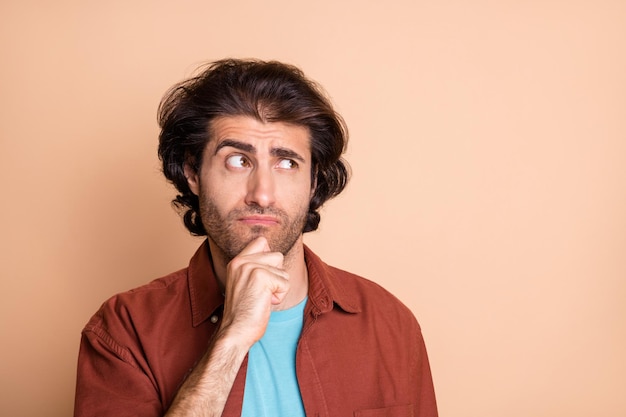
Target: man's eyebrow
242 146
286 153
246 147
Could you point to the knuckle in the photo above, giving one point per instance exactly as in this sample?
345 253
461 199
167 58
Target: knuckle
233 265
257 272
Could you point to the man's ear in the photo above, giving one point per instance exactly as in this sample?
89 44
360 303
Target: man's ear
192 177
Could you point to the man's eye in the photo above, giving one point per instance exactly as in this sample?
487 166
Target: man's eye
238 161
287 164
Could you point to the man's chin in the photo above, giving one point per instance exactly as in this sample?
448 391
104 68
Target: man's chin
236 237
235 246
257 231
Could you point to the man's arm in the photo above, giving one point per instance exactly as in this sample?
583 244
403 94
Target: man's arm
109 380
255 281
206 390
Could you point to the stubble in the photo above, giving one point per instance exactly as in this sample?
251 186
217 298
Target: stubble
231 236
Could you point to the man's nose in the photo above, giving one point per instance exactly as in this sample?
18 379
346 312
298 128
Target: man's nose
261 188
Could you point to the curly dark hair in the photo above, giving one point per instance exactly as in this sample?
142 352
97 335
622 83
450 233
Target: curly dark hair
268 91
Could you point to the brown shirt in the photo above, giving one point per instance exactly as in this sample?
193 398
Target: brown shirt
361 351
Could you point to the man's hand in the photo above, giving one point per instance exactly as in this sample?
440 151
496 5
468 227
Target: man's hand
255 282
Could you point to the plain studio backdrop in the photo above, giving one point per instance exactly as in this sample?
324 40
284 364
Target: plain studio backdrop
488 146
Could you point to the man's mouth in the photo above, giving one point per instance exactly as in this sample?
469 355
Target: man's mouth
259 220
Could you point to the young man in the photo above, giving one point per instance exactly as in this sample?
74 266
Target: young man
257 325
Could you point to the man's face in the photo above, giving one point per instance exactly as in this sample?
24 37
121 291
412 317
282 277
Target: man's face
255 180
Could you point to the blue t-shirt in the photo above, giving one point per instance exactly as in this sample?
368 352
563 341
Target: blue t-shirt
271 383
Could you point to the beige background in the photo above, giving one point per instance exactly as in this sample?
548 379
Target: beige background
488 144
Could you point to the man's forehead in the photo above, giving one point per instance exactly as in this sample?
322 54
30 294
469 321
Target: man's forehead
250 129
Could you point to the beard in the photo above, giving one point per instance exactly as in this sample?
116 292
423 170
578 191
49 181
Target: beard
231 236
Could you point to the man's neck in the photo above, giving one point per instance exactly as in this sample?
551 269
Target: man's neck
294 264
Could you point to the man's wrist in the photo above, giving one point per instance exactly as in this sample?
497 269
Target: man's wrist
229 339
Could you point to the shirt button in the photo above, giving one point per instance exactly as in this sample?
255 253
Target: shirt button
214 319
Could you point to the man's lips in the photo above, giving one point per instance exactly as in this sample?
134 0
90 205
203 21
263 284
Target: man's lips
259 220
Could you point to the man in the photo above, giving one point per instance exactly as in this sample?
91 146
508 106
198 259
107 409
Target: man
257 325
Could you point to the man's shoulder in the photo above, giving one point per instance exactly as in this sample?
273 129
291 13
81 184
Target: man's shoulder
370 296
170 282
132 325
147 299
162 287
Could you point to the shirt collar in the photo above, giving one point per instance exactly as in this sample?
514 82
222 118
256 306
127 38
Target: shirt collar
325 287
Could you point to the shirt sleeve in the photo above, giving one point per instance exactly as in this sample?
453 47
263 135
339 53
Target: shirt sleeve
426 404
110 381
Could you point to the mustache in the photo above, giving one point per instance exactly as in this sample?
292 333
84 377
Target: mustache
258 210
